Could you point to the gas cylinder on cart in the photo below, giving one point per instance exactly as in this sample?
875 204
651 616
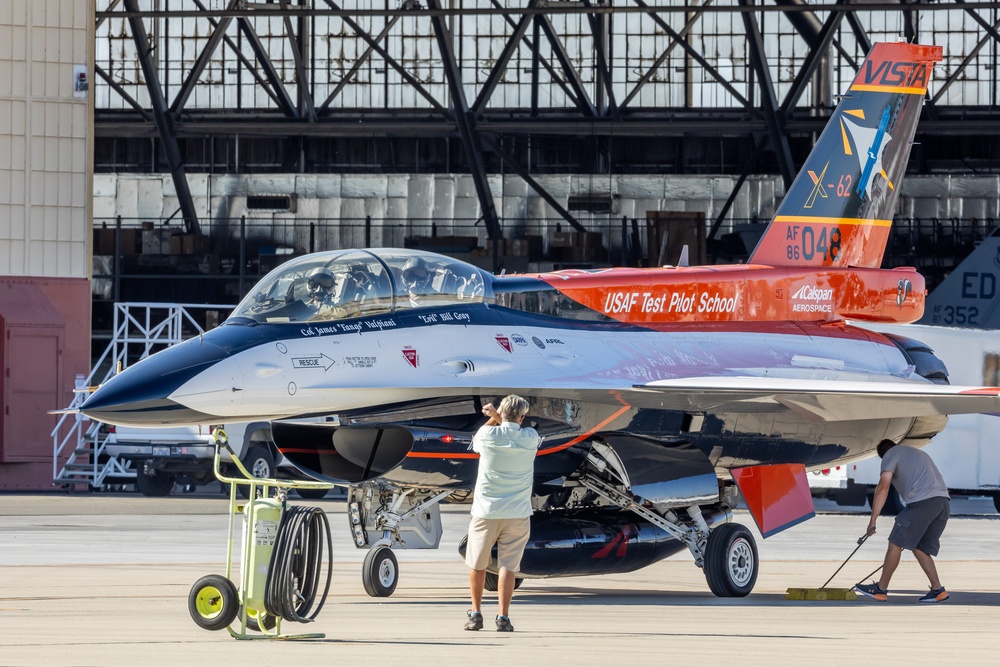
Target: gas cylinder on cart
265 515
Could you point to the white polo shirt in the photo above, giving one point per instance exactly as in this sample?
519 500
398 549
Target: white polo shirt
506 471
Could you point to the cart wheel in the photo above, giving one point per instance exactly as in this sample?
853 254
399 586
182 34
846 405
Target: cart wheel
258 621
213 602
380 572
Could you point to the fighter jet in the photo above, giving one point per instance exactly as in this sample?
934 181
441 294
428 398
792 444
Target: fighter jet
659 391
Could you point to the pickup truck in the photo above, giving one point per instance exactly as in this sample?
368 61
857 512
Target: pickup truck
162 456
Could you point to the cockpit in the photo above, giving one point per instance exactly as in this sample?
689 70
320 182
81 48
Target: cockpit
343 284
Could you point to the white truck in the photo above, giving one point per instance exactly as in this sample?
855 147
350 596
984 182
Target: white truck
162 456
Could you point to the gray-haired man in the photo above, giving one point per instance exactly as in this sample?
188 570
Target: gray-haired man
501 508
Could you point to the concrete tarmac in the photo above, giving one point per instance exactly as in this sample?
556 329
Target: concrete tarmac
104 579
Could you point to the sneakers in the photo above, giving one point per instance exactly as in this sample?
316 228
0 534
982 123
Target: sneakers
475 621
503 624
932 596
873 591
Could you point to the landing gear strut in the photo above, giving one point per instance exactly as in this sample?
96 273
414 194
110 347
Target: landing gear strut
727 553
380 572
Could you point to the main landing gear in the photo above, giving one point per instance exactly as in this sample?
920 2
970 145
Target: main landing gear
727 553
393 513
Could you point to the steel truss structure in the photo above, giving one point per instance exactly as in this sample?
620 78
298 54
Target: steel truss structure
523 86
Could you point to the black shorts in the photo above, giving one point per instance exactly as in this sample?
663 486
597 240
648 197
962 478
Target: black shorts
919 525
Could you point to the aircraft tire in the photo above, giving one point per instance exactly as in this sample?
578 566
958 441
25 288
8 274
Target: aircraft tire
731 561
154 486
213 602
380 572
492 582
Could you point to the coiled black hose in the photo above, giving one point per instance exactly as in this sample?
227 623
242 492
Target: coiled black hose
294 572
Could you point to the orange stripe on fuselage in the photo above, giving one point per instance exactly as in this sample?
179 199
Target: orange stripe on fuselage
581 438
541 452
743 294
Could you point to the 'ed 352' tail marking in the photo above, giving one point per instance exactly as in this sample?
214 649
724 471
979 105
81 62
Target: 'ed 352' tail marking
839 209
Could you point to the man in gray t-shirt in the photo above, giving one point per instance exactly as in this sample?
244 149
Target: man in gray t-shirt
920 525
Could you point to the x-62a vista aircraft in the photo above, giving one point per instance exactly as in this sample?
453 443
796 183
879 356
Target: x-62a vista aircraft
658 391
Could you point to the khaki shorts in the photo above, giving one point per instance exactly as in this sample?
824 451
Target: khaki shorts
510 536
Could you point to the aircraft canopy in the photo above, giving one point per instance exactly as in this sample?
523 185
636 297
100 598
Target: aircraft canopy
344 284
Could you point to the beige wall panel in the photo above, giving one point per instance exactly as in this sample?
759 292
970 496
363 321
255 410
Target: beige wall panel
46 143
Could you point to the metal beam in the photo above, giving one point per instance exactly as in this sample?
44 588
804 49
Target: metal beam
162 118
721 80
598 27
663 56
132 102
552 9
500 66
466 125
203 59
285 102
747 170
817 52
306 107
357 65
533 184
773 116
859 34
721 123
261 81
533 44
991 31
410 79
572 76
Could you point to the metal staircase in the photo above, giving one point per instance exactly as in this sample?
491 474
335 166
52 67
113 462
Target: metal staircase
78 444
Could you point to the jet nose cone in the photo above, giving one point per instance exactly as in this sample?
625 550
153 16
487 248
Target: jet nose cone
141 394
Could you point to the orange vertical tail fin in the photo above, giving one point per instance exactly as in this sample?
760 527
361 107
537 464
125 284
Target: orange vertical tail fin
839 208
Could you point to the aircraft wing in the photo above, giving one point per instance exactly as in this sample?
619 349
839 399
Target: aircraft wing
819 400
815 400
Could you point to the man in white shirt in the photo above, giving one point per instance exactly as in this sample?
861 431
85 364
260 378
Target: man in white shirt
920 525
501 507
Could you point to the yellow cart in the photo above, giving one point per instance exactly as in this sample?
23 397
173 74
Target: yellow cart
281 556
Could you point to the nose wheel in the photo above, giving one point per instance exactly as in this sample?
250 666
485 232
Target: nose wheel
731 561
380 572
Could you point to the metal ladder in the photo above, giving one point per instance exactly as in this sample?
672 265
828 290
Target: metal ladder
78 444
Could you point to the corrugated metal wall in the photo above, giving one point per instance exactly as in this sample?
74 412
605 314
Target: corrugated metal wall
45 138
